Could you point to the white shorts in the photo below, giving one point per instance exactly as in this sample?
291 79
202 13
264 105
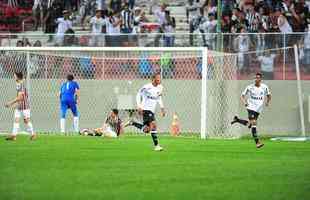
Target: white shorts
109 132
25 113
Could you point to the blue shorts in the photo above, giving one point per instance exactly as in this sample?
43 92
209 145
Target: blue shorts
68 104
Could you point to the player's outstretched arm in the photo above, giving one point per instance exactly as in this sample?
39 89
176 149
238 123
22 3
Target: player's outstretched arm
17 99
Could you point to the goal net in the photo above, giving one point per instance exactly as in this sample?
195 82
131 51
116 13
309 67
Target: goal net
194 80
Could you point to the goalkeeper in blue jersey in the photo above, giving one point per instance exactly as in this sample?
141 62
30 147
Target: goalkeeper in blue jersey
69 98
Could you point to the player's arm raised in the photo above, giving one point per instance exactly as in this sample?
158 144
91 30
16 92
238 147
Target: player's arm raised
19 97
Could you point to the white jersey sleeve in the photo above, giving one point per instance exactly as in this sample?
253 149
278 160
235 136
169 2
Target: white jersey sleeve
267 90
139 97
245 91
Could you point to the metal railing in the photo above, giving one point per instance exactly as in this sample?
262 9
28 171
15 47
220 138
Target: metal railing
251 47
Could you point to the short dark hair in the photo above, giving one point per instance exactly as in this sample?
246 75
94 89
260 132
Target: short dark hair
115 111
70 77
19 75
155 74
259 74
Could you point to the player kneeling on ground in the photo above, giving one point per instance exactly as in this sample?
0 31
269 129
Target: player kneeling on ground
112 127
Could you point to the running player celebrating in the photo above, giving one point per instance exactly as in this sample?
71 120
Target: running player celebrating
253 98
147 98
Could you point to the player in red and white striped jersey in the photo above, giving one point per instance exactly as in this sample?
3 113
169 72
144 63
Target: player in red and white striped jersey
22 107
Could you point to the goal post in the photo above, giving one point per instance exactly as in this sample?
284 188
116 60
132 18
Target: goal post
195 82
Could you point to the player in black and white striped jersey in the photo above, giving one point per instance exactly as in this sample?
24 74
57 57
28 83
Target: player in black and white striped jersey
22 107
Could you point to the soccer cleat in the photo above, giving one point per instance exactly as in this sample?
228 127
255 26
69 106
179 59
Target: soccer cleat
33 137
158 148
259 145
128 123
10 138
235 120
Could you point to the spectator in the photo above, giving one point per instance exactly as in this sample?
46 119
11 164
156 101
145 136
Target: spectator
252 20
19 43
37 43
285 28
169 30
137 18
127 25
113 30
53 13
64 23
198 22
37 11
209 27
101 5
97 23
242 46
306 50
161 19
267 65
116 6
26 42
85 9
192 15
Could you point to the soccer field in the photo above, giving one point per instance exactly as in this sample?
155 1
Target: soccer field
76 167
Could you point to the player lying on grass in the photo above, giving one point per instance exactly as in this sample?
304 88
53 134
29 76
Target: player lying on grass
253 98
112 127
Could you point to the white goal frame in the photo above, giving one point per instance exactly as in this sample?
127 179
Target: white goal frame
203 50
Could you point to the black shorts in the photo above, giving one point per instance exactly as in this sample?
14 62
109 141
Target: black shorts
252 114
148 117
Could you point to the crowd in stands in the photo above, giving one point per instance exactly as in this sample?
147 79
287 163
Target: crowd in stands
248 16
119 23
121 20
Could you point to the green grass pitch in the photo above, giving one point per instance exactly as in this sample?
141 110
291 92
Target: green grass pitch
76 167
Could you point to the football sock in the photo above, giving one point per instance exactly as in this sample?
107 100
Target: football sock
242 121
76 124
254 134
15 129
30 128
62 125
137 125
154 137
